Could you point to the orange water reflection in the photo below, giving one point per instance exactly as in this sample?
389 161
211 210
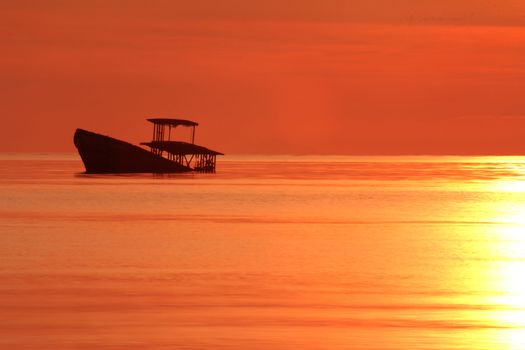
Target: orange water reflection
432 262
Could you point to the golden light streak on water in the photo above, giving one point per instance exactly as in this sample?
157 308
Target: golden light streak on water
510 186
507 279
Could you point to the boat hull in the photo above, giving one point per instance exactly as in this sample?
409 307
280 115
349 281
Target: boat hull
106 155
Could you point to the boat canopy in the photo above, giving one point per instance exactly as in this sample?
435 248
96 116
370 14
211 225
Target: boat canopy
190 155
179 147
172 122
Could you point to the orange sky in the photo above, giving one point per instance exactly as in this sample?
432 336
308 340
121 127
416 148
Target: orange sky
288 76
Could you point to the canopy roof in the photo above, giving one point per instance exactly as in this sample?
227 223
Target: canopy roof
172 122
179 147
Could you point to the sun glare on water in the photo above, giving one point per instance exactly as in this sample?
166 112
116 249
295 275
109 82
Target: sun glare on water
511 186
507 282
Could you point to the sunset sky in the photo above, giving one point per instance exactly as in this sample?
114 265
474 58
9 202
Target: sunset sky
267 77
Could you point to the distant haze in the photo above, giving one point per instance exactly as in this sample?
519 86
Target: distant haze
294 77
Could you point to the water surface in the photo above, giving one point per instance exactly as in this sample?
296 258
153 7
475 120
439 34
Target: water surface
268 253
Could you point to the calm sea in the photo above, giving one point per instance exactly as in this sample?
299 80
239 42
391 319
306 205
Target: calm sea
268 253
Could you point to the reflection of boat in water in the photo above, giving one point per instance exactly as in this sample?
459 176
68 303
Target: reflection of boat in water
104 154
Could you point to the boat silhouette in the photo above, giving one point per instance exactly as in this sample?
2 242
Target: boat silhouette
106 155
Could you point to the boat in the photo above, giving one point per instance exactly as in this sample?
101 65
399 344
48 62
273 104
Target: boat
106 155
